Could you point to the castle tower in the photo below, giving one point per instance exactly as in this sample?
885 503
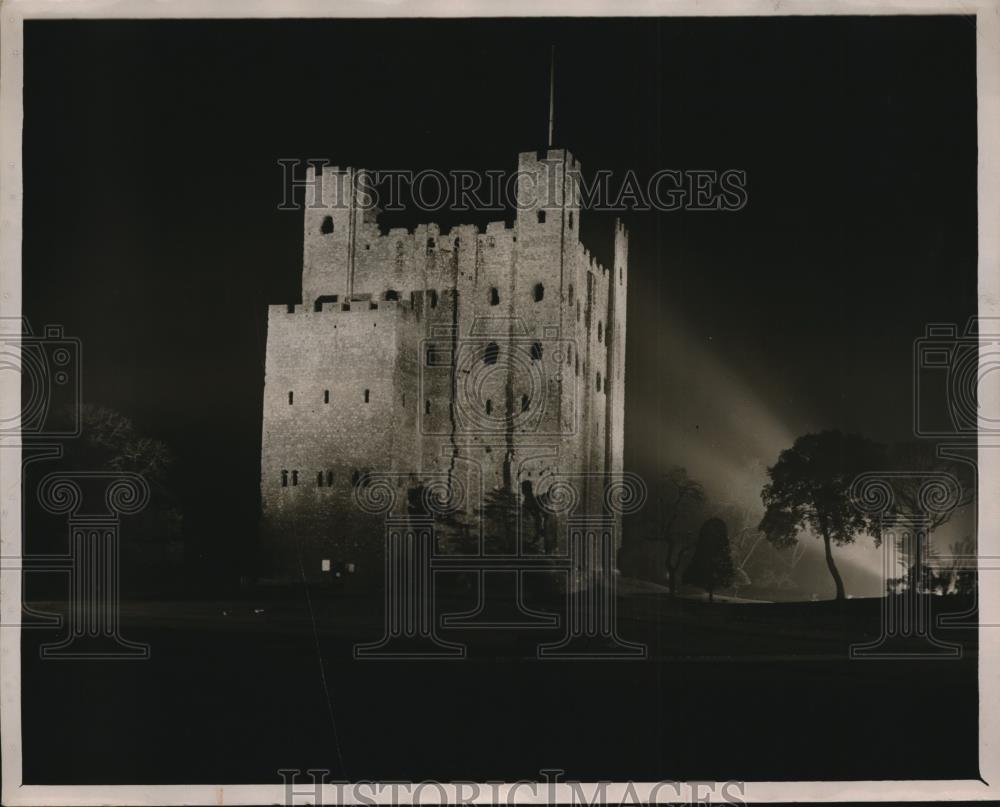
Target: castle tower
490 356
338 203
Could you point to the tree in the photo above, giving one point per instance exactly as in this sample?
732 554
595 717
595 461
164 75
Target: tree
919 459
963 566
108 441
809 489
925 576
534 515
711 567
153 542
456 532
500 513
953 574
681 501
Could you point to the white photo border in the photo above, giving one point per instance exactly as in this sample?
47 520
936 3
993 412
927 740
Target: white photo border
12 16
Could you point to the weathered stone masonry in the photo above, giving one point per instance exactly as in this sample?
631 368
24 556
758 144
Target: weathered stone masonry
471 356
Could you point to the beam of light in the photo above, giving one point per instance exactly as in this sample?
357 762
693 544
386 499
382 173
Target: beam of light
695 410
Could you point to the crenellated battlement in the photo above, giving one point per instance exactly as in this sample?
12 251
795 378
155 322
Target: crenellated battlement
549 155
415 300
348 307
346 250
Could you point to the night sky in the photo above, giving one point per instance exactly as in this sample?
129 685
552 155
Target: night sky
152 229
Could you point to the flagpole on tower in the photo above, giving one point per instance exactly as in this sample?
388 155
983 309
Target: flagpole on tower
552 92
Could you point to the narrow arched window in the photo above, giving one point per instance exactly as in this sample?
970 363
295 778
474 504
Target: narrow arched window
327 226
326 396
571 219
536 351
489 406
538 292
291 397
598 382
491 353
577 365
571 294
284 479
600 331
433 297
367 395
494 296
427 406
541 217
295 478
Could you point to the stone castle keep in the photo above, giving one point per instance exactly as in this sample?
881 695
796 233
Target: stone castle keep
462 361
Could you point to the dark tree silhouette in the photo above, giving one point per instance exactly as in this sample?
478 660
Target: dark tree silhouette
963 566
711 567
923 573
533 516
500 513
155 542
108 441
953 574
499 516
456 533
415 501
810 490
923 577
921 456
681 501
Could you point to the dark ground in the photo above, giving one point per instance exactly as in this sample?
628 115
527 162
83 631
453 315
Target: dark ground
729 692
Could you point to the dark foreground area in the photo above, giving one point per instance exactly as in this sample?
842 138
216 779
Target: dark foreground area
234 690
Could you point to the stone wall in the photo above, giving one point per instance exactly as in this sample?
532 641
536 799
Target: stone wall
477 355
